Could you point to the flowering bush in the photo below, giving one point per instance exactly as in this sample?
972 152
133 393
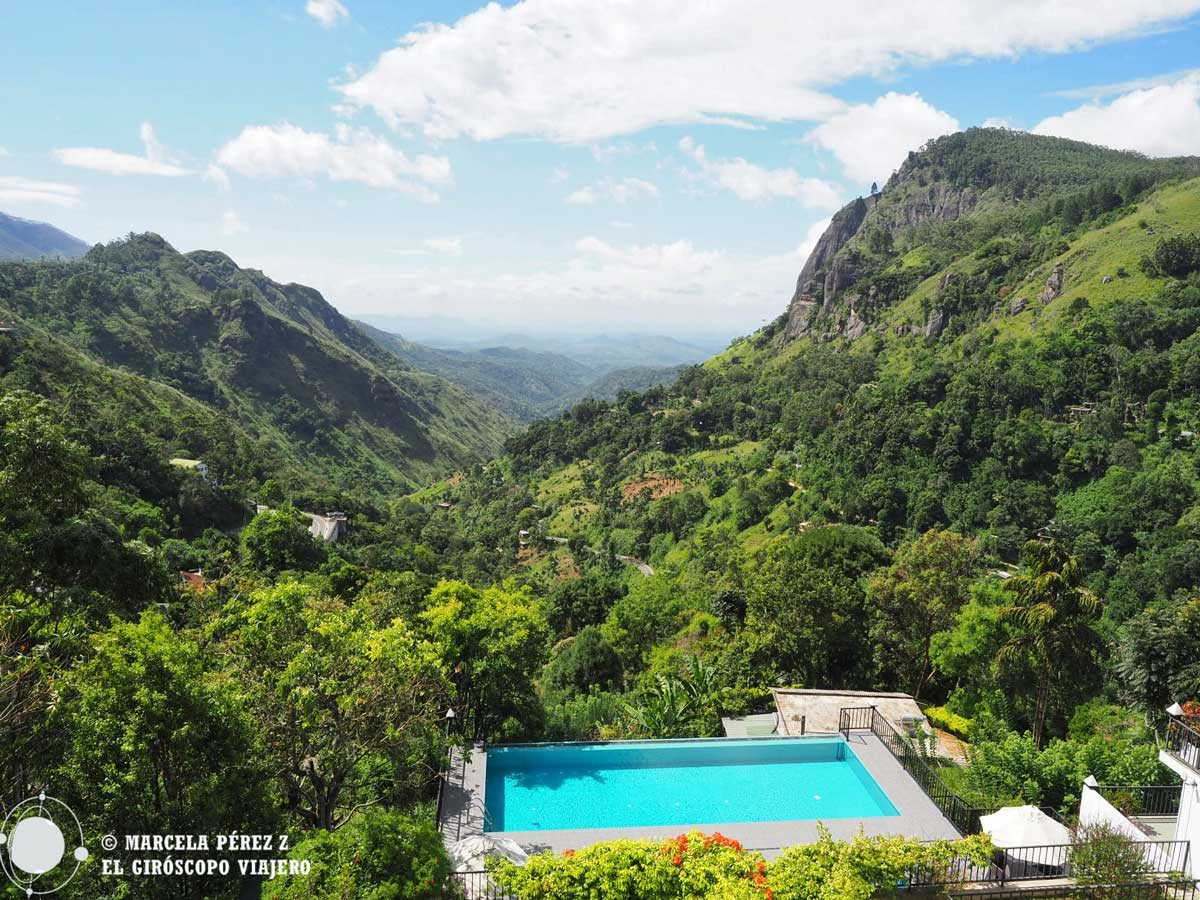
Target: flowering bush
1191 713
697 866
692 866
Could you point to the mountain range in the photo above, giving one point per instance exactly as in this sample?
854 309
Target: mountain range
26 239
239 355
528 383
1004 341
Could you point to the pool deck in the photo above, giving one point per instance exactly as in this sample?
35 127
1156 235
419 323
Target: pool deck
463 812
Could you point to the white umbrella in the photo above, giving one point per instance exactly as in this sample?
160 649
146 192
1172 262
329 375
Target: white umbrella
1025 827
469 853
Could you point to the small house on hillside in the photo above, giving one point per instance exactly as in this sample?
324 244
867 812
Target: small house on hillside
329 527
195 465
194 581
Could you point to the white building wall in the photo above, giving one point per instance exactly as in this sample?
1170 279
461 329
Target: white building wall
1095 810
1188 827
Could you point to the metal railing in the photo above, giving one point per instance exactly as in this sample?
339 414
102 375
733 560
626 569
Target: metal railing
1148 890
962 815
476 885
1042 863
1142 800
1183 742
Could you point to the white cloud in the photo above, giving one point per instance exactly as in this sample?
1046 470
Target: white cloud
154 162
607 152
617 190
285 150
870 140
14 189
577 71
218 176
231 224
4 151
753 182
559 175
450 246
793 260
1098 91
997 122
1163 120
327 12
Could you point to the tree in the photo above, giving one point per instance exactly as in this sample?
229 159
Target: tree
679 705
278 540
916 597
1053 614
494 643
156 743
808 597
1157 659
52 542
351 713
381 855
582 663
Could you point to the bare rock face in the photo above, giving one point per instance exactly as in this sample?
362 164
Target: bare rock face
832 267
855 327
819 272
1017 306
935 324
1054 284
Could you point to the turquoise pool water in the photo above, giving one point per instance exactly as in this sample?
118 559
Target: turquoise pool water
547 787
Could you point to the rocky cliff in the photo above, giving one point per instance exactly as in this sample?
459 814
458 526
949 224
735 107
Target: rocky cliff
836 262
877 249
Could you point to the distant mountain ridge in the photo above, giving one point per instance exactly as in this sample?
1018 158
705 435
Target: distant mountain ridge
27 239
528 383
275 359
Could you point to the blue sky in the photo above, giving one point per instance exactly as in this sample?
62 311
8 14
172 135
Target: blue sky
651 165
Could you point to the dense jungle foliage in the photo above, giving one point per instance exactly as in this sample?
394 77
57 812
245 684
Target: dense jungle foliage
877 512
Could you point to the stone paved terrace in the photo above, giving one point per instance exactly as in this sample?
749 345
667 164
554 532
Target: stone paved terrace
821 709
463 805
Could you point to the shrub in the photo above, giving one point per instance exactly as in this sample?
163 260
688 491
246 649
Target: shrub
379 855
1102 855
940 717
1178 256
864 867
693 866
713 867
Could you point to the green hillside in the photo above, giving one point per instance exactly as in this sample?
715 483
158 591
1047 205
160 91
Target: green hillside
335 408
1038 403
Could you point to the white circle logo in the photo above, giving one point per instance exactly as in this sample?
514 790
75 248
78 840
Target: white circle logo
33 845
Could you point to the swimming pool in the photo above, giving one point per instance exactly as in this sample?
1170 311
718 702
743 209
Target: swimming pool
547 787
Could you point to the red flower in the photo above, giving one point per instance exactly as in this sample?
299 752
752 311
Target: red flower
568 853
677 859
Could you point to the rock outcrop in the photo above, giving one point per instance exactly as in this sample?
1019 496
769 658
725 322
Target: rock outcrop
835 263
1054 284
820 272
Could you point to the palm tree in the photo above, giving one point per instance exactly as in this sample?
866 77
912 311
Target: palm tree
1053 613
